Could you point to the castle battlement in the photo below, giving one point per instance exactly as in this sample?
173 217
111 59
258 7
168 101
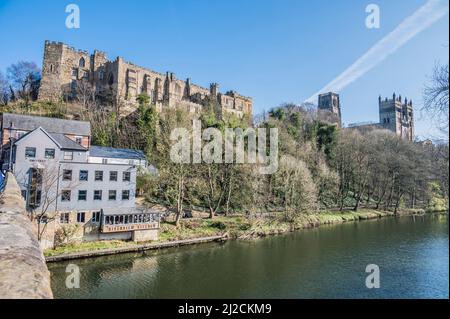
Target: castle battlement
64 70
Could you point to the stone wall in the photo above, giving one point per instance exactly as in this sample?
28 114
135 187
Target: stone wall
23 272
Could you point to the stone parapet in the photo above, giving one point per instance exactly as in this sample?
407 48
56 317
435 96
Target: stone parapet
23 271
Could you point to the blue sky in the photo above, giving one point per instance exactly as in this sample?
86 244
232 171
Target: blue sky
275 51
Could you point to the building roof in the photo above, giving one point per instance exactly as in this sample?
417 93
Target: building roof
61 140
66 143
110 152
51 125
107 211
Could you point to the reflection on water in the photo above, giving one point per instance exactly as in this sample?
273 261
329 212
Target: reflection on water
326 262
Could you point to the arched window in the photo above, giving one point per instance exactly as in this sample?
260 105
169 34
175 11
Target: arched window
82 63
111 79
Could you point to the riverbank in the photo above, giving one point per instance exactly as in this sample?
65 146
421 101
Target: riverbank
194 231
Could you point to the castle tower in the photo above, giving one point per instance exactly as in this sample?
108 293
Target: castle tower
50 88
397 116
62 68
330 102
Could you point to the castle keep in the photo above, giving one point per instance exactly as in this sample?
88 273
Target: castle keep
64 68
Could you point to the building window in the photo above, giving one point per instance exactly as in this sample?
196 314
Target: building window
101 75
68 156
95 217
30 152
98 176
113 176
75 72
84 176
112 195
67 175
65 196
126 177
125 195
81 217
34 198
49 153
111 79
19 134
82 195
79 139
98 195
82 63
64 218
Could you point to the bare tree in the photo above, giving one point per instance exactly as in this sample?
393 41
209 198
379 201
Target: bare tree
4 88
86 94
25 79
436 96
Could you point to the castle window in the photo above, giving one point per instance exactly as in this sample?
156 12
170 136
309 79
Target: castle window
51 68
111 79
101 75
75 72
82 63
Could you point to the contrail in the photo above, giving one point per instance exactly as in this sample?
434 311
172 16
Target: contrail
420 20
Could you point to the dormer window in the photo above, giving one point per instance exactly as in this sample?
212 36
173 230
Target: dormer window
79 139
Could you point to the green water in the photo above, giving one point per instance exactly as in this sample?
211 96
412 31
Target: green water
326 262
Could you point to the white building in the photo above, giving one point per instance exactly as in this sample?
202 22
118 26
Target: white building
91 186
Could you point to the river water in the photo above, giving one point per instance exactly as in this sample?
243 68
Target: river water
327 262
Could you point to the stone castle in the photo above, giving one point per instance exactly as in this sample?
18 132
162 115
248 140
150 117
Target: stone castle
395 114
65 67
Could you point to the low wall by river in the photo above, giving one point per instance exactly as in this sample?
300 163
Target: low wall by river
23 271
